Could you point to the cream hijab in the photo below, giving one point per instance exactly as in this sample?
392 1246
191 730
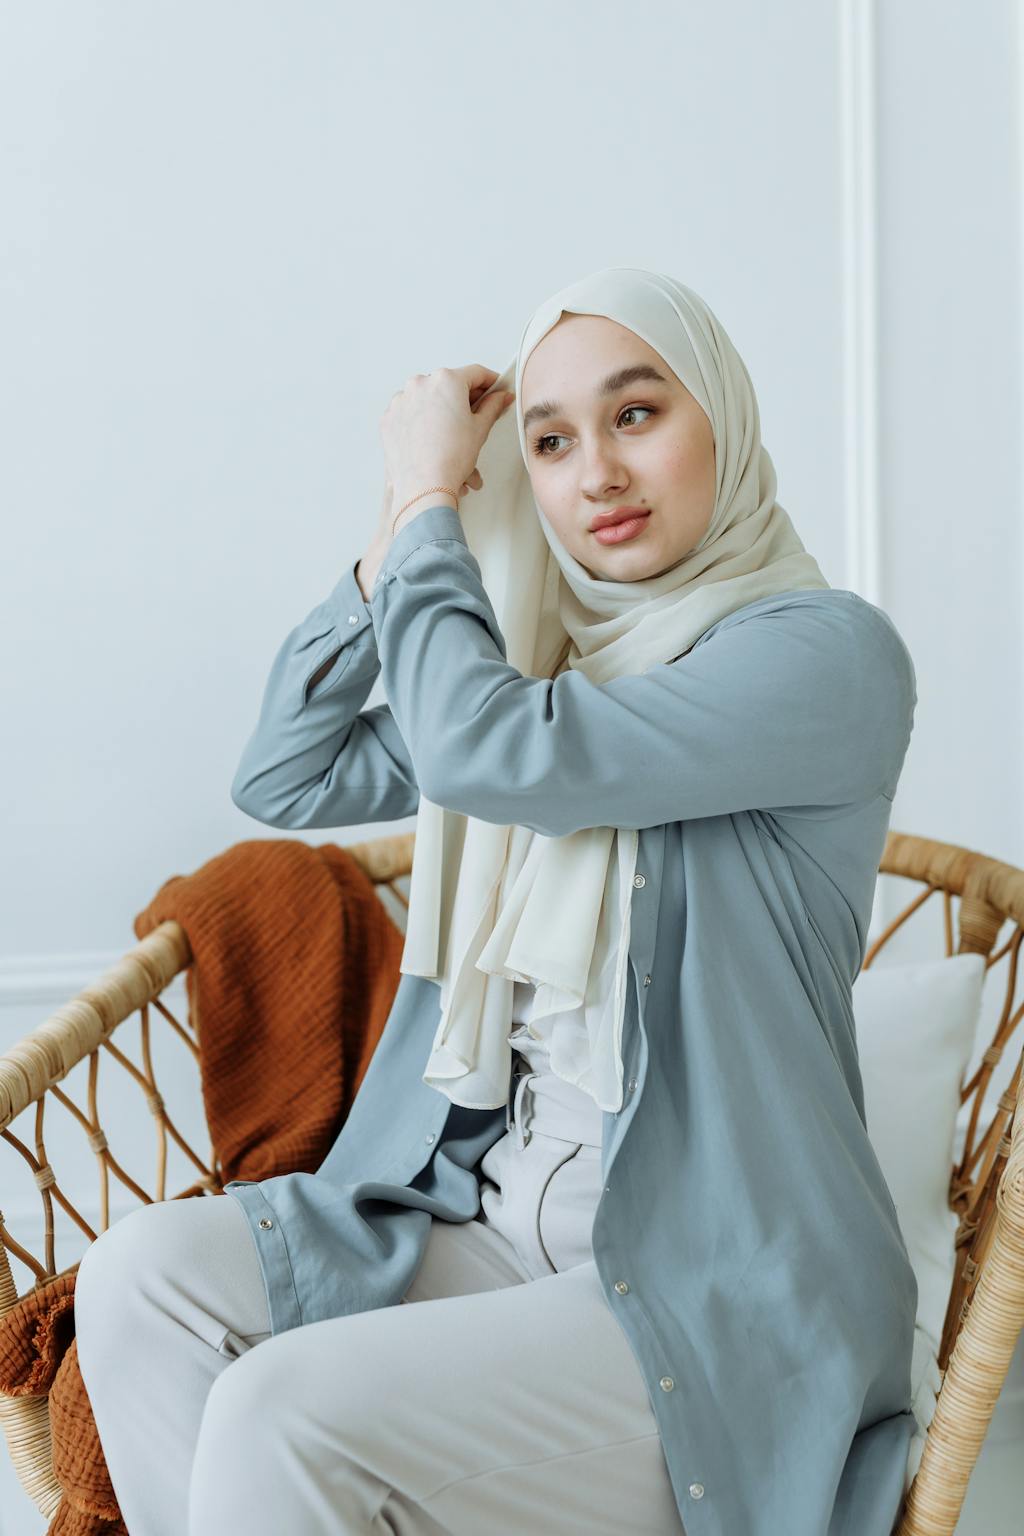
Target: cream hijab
490 905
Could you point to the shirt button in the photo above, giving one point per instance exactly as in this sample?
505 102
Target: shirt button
647 981
696 1490
266 1223
431 1137
666 1383
353 618
639 880
622 1287
632 1085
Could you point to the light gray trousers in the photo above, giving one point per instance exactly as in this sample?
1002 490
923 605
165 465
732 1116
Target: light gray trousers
506 1400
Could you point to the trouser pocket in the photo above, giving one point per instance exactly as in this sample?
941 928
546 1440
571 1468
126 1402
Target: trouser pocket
565 1215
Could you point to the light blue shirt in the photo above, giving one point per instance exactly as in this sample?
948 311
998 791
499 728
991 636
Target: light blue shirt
769 1298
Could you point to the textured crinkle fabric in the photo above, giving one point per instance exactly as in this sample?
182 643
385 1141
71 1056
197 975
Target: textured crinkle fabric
39 1357
34 1336
292 947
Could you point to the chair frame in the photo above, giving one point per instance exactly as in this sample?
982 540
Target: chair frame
985 1311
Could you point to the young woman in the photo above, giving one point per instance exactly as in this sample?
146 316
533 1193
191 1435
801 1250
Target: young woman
611 1144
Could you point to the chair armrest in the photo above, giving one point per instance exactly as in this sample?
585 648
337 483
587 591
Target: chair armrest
974 1377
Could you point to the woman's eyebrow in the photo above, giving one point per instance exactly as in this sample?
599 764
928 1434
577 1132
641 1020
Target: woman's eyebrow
615 381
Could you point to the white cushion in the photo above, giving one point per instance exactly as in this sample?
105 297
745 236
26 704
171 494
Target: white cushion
916 1026
924 1385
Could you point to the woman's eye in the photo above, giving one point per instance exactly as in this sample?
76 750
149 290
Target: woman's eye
627 410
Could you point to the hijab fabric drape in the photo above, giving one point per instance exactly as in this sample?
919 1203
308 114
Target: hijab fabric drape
491 905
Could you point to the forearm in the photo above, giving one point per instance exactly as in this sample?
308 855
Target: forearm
316 757
366 572
369 564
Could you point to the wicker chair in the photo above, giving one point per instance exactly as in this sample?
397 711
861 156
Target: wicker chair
985 1312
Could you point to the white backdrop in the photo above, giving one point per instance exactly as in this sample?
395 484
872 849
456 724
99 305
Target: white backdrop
231 232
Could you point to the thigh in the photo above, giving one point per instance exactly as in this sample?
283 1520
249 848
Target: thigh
518 1407
462 1257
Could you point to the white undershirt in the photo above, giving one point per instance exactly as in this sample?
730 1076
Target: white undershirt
556 1104
556 1043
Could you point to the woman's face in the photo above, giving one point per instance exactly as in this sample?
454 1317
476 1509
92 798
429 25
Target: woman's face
646 443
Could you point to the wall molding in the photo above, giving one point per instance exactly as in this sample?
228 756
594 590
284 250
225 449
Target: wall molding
1020 356
858 133
47 981
857 95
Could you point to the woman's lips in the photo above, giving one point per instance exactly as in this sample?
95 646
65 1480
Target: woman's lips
617 533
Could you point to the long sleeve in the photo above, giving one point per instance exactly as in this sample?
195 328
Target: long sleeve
800 701
315 760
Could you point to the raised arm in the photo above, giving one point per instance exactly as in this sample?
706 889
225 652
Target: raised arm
803 700
313 759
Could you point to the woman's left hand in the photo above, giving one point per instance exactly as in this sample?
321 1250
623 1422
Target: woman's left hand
434 428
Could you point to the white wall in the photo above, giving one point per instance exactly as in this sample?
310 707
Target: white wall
231 234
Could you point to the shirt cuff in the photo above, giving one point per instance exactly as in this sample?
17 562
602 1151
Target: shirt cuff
428 527
348 607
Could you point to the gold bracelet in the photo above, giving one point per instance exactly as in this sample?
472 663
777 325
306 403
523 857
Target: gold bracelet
428 492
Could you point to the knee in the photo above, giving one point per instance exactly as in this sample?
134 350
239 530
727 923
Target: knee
251 1408
111 1264
272 1401
120 1269
257 1450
